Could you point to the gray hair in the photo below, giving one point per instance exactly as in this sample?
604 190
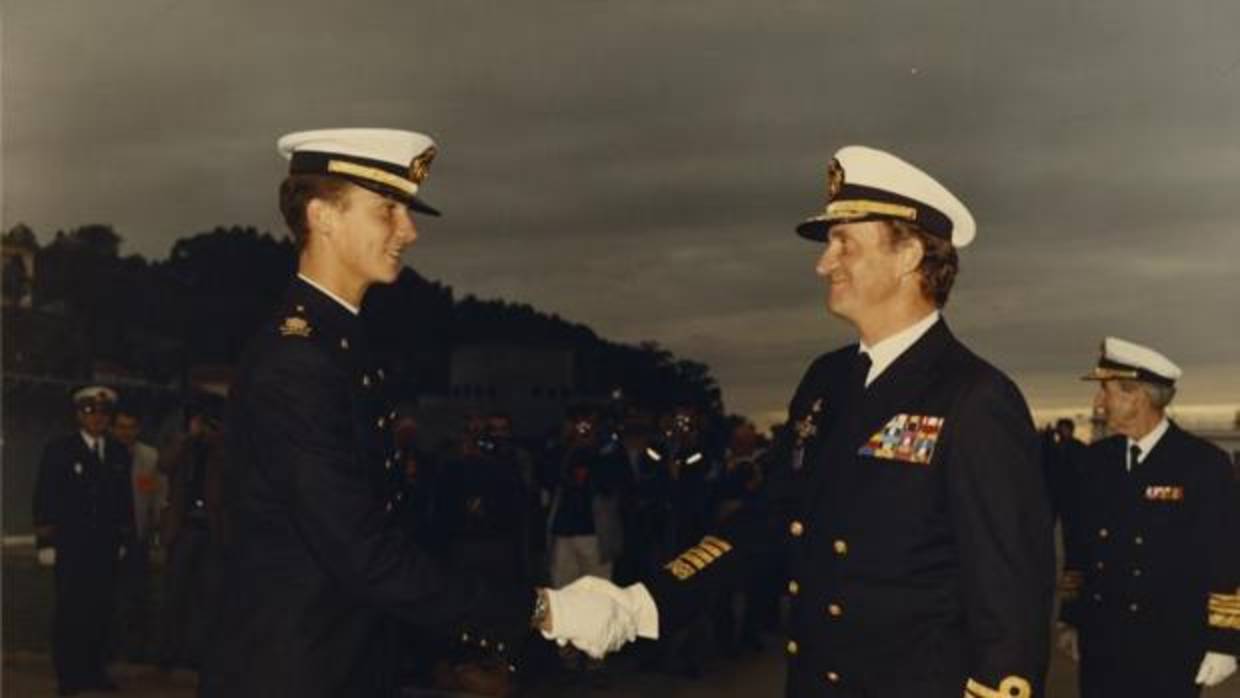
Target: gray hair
1160 395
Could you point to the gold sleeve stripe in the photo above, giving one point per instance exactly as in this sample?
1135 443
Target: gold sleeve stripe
1009 687
374 174
680 570
1225 621
698 558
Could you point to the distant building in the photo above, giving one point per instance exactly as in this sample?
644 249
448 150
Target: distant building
532 384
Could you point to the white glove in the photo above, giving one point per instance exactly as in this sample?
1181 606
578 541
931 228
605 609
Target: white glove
1068 641
120 552
635 597
47 556
592 621
1215 669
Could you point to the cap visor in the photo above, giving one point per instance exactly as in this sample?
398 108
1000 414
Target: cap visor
422 207
814 229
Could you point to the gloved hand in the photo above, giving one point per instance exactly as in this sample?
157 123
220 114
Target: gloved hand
120 552
1215 668
635 597
592 621
1068 641
47 556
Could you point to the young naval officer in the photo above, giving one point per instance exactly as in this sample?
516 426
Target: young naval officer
83 518
910 497
320 572
1151 604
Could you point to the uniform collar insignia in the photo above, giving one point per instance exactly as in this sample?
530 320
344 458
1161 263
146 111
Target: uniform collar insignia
294 326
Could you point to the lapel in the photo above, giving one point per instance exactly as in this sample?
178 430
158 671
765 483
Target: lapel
862 414
906 379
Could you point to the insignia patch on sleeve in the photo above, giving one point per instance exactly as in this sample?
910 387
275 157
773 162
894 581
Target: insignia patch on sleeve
1164 493
906 437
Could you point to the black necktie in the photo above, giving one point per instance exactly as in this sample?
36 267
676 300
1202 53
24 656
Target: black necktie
1134 456
860 371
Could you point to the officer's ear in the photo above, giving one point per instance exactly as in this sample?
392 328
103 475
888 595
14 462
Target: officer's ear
322 216
909 251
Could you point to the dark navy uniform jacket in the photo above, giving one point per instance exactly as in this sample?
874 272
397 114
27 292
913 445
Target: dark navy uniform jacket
321 574
1151 573
83 506
917 530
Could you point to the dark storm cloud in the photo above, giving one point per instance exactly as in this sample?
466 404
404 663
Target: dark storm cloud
639 166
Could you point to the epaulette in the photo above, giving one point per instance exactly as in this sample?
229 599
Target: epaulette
296 324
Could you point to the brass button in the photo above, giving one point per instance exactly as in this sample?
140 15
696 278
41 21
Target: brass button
840 547
834 610
344 342
792 647
796 528
1103 533
794 587
1138 540
833 677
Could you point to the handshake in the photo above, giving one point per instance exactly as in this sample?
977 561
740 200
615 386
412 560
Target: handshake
598 617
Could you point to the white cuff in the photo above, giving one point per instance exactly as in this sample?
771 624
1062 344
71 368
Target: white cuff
645 610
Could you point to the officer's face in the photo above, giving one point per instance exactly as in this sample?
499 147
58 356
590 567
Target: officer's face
1122 404
861 269
369 233
94 419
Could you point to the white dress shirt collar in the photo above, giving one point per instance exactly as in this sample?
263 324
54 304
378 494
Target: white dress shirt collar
1150 440
888 350
91 442
347 305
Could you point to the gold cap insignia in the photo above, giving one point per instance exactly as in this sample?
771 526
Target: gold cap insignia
421 165
295 327
835 179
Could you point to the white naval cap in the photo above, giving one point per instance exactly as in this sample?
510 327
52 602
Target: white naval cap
867 184
94 394
390 162
1128 360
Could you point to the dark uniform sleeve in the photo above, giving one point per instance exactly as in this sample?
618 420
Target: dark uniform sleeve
1003 529
46 488
297 403
685 585
1220 529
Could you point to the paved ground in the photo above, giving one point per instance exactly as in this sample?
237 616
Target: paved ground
27 671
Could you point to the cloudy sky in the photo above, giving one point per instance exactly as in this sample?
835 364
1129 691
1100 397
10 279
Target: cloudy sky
639 166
